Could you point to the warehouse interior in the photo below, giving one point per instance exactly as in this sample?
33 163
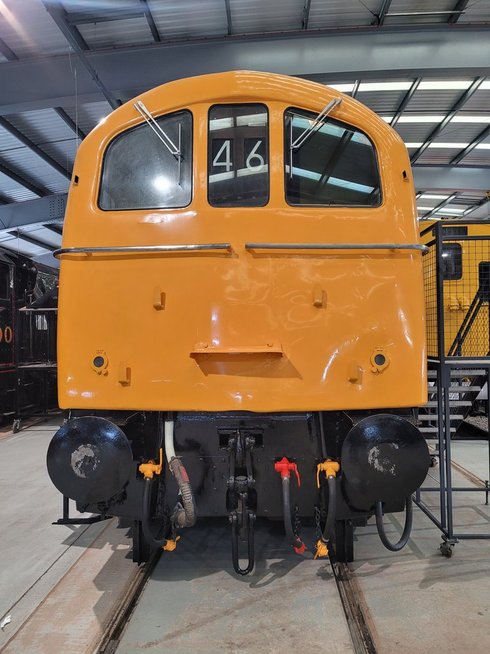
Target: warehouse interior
423 66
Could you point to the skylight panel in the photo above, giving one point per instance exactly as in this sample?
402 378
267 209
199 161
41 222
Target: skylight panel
343 88
444 85
430 118
384 86
434 196
471 119
448 145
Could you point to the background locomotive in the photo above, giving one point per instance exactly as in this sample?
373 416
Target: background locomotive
25 338
251 249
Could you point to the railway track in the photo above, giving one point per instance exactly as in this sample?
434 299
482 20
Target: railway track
350 598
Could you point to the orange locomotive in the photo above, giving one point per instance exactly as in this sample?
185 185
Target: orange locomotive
240 267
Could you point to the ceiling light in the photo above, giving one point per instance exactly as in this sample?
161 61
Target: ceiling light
413 145
384 86
444 85
425 208
387 119
483 146
484 86
431 196
471 119
343 88
437 118
451 211
456 146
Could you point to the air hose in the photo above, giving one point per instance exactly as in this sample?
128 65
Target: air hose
331 510
293 538
395 547
184 514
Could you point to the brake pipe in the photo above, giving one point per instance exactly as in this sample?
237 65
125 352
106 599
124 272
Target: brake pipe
284 467
330 468
407 529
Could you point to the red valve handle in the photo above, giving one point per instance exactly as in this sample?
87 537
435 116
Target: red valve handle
285 466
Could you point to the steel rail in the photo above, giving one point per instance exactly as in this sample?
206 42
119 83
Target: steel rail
142 249
356 611
336 246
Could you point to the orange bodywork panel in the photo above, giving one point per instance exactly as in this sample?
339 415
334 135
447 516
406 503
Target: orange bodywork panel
241 328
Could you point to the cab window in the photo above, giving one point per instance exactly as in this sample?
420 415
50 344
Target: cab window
147 168
330 164
238 156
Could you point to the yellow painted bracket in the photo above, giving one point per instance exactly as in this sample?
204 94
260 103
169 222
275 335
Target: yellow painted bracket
330 468
321 549
171 545
271 349
151 468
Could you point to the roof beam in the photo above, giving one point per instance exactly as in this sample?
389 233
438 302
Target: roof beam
229 21
320 55
87 18
71 123
464 97
383 10
469 148
76 41
50 209
7 52
306 14
19 178
440 206
35 149
459 9
55 227
406 99
151 21
451 178
28 238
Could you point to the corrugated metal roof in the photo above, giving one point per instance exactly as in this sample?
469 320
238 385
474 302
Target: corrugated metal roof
459 132
417 7
183 18
87 115
477 157
29 30
259 16
14 191
385 102
414 132
41 126
438 156
338 13
109 34
434 101
35 169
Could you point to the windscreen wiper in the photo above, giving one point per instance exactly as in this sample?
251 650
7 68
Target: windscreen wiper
175 150
315 125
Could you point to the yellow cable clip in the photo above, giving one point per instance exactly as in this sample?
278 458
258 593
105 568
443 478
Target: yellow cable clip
321 549
151 468
170 545
329 467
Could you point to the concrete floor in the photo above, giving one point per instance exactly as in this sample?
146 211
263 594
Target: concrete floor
35 555
418 600
195 603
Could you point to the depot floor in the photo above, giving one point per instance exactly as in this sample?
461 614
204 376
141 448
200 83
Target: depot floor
59 585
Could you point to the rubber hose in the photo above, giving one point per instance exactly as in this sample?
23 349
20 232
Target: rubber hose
286 503
186 516
332 508
146 518
395 547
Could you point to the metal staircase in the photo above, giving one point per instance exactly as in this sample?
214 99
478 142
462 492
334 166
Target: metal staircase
465 387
